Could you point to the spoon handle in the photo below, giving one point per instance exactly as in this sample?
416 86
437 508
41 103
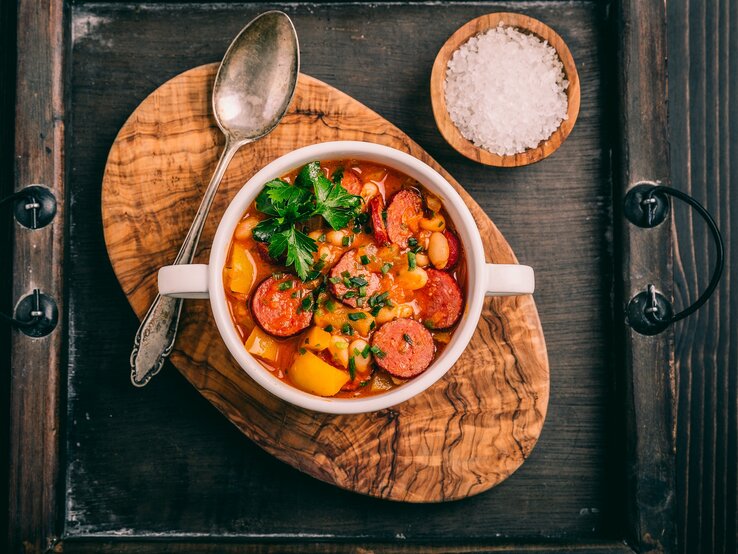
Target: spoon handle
155 337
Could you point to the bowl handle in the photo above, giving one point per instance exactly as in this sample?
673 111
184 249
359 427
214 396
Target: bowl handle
509 280
184 281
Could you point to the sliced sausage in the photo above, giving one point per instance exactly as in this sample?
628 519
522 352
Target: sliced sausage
440 300
350 278
454 249
376 207
404 348
277 306
403 216
351 182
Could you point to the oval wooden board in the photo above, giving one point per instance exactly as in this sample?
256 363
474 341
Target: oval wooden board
465 434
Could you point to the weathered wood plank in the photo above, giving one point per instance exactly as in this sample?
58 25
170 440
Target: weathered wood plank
38 263
106 545
703 112
646 259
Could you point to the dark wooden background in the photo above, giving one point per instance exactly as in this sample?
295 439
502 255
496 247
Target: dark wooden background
703 136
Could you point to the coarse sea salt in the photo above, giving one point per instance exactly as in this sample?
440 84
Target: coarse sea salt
506 90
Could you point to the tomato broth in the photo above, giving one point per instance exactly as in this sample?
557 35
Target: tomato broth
377 304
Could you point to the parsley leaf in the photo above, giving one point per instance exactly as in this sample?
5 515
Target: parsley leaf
334 203
299 248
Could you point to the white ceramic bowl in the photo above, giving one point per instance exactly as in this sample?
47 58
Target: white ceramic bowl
203 281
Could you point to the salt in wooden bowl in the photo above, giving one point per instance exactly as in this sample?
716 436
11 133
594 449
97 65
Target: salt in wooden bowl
447 127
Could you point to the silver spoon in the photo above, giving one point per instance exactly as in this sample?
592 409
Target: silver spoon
252 91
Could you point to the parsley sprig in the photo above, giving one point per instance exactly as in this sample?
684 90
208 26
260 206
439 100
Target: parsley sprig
287 206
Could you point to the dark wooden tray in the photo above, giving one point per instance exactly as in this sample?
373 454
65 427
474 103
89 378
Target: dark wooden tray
97 465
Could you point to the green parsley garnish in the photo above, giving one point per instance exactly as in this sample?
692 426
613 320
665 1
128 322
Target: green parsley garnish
364 259
346 329
356 316
288 206
330 305
411 263
287 285
328 328
386 267
407 338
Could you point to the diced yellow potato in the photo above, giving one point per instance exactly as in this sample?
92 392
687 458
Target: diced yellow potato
317 339
243 269
262 345
340 316
311 374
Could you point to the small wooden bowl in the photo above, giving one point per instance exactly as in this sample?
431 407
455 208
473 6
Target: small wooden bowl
438 96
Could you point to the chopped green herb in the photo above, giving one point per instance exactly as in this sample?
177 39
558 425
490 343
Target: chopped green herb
378 352
411 262
412 242
349 294
337 175
362 291
360 302
352 367
372 325
328 328
293 295
321 238
407 338
359 281
346 329
364 259
386 267
384 216
287 285
367 350
306 303
320 264
345 241
346 275
335 280
356 316
330 305
277 275
302 351
364 383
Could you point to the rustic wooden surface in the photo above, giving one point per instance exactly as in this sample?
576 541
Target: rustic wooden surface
556 215
479 423
36 365
703 117
438 98
646 258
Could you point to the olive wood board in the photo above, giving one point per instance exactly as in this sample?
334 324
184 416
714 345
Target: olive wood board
468 432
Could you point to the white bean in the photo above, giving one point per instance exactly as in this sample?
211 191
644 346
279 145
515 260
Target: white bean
438 251
356 349
336 237
339 349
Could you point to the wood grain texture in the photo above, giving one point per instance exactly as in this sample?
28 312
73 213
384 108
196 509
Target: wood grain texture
36 365
462 436
703 119
438 97
646 259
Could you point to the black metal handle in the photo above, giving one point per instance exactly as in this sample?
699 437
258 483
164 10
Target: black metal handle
36 314
646 205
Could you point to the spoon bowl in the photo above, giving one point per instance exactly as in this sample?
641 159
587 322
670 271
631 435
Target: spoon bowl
256 81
